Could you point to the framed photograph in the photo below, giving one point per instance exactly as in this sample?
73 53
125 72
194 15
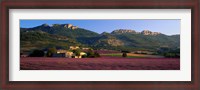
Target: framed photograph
115 44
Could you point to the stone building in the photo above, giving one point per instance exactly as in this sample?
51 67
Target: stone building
65 53
74 47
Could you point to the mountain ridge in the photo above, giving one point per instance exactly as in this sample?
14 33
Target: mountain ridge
117 31
120 39
144 32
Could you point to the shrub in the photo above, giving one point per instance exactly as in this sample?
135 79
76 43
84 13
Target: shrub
37 53
84 56
92 54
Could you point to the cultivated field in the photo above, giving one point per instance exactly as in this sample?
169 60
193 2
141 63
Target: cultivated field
102 63
132 55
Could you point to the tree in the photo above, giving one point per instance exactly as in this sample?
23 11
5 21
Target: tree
77 52
51 51
84 56
96 54
90 53
37 53
124 54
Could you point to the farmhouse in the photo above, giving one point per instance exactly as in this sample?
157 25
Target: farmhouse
68 54
65 52
81 55
24 54
73 47
85 48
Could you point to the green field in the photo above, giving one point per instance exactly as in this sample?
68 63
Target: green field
131 55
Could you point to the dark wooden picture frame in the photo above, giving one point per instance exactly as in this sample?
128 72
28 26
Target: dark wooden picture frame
99 4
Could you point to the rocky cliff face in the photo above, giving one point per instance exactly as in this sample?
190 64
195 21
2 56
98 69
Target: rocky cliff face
144 32
115 42
147 32
71 26
45 25
120 31
68 25
110 42
74 27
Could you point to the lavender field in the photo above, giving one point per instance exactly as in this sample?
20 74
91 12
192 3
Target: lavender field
102 63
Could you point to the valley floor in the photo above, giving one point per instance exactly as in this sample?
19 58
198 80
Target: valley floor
102 63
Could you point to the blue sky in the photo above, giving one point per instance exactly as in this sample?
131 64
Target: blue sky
169 27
